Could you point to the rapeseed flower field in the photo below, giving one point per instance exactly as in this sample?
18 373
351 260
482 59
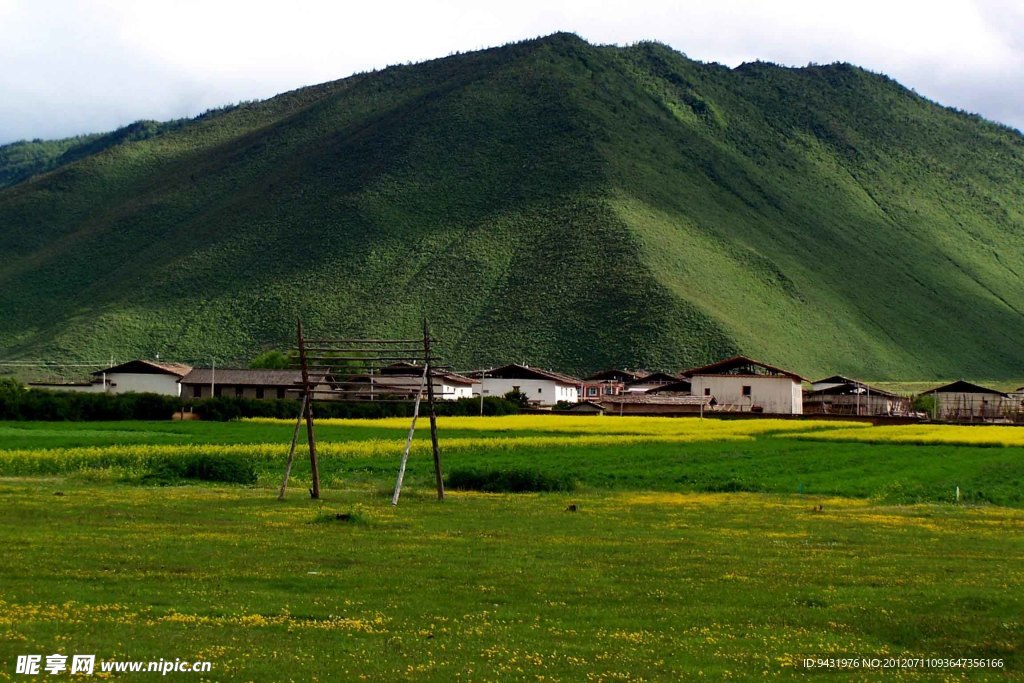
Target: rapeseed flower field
924 434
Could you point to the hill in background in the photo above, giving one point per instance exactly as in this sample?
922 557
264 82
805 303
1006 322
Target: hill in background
552 202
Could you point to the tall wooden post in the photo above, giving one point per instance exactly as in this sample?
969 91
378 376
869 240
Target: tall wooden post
314 490
291 450
429 363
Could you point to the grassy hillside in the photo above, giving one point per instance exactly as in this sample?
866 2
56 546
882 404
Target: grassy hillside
550 202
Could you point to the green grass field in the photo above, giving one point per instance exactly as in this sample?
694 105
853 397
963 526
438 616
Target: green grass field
697 549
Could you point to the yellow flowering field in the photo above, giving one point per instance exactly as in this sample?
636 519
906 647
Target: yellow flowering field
599 424
924 434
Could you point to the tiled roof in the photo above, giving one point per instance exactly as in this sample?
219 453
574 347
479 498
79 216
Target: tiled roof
962 387
661 399
243 377
723 367
141 366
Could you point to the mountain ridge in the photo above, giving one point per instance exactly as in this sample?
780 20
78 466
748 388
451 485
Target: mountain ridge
569 205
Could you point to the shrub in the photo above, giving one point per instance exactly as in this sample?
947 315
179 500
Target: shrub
508 481
19 404
220 468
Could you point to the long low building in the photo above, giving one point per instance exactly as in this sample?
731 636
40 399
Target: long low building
854 398
241 383
963 401
662 403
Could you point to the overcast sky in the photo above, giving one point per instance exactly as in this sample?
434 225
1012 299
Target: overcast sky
76 66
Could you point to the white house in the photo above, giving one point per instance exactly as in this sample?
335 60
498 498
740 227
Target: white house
455 386
542 387
137 376
405 378
740 384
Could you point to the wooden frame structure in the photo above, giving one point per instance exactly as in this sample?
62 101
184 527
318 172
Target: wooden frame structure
324 361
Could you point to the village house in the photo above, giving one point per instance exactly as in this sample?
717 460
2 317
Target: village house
1017 404
646 381
831 382
659 403
741 384
963 401
854 398
403 381
584 408
605 383
242 383
680 386
541 387
136 376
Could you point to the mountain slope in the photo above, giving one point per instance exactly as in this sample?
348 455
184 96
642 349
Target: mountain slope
549 202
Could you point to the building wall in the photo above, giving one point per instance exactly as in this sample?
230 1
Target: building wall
125 382
453 392
597 390
231 391
772 394
849 405
654 409
543 391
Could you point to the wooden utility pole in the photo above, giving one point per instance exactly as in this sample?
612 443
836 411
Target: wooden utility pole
314 489
291 450
321 361
408 440
428 359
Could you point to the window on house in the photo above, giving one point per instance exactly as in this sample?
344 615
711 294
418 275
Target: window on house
539 390
238 392
591 391
259 392
197 391
707 391
746 390
280 392
217 390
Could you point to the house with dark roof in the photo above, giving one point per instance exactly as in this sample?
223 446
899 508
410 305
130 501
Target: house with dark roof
136 376
241 383
829 382
659 403
404 381
855 398
542 387
646 381
963 401
680 386
583 408
741 384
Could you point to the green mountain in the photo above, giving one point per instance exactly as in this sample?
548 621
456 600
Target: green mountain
553 202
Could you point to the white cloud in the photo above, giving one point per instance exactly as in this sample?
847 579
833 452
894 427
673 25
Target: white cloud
91 65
